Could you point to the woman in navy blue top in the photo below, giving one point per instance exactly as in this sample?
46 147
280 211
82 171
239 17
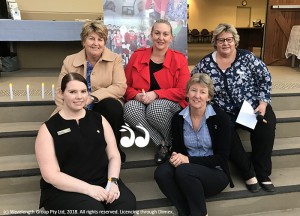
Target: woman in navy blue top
201 143
239 76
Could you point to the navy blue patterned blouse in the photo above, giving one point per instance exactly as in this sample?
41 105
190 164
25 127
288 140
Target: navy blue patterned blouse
247 79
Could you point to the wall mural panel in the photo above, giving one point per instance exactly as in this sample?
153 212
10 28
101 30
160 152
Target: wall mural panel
129 23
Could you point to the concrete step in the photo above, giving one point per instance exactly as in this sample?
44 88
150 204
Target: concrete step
284 129
286 172
19 165
253 206
288 122
19 173
19 202
18 137
26 111
16 128
17 146
283 101
282 146
233 201
40 110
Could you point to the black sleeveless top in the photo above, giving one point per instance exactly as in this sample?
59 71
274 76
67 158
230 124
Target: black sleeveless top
80 148
154 67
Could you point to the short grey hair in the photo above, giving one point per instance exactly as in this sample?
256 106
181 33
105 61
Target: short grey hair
224 27
204 80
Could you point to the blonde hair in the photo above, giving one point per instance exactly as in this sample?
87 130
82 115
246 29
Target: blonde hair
204 80
96 26
162 21
224 27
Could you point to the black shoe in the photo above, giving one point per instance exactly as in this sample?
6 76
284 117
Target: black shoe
162 154
267 187
254 188
123 156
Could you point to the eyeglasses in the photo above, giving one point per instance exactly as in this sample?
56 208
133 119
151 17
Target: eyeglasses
222 40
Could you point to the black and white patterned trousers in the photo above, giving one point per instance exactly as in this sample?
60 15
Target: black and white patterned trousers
156 117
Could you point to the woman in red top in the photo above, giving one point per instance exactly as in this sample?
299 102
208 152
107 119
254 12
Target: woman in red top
162 74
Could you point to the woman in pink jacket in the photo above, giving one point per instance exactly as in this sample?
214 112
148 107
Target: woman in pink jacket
156 80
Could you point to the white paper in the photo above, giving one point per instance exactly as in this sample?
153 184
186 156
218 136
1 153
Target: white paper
247 116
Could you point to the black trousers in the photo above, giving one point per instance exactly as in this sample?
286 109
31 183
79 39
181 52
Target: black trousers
112 110
187 186
259 164
70 203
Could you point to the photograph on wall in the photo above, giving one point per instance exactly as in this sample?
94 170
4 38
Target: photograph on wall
129 24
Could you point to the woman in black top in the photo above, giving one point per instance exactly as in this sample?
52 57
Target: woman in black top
78 157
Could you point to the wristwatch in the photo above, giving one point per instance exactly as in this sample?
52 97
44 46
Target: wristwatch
113 180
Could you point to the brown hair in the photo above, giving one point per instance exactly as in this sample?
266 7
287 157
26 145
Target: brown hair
96 26
70 77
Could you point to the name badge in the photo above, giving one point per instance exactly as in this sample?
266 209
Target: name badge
67 130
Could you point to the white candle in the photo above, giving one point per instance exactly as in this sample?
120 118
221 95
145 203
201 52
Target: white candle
43 90
53 92
27 92
11 91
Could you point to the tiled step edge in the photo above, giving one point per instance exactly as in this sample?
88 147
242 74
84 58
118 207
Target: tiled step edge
31 133
288 120
20 173
285 152
285 94
26 103
164 202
